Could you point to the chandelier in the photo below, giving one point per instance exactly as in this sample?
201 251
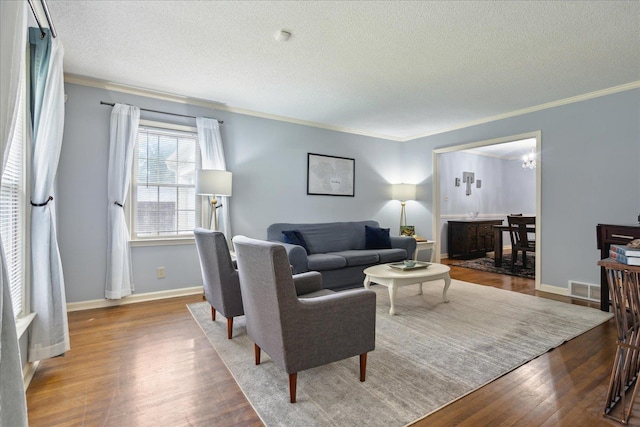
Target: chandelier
529 160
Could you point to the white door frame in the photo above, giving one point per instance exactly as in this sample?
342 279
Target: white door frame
437 231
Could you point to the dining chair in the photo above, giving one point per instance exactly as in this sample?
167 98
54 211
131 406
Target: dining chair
519 229
300 333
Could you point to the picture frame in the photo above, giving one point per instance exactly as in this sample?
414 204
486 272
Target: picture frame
407 230
330 175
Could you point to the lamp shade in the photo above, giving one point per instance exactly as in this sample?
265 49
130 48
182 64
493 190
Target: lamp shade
403 192
216 182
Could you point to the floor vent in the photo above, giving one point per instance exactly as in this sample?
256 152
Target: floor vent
586 291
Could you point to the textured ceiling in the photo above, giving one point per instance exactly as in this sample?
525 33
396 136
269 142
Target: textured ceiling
397 70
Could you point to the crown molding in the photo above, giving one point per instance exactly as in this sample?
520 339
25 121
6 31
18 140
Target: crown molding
165 96
571 100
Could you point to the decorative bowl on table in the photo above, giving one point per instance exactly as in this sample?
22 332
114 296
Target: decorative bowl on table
408 265
473 214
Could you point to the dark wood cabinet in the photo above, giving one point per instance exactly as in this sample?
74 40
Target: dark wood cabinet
606 235
472 238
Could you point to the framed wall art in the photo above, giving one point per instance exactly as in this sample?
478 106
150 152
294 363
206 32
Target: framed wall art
407 230
330 175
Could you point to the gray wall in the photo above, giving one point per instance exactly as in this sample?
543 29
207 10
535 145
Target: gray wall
520 187
590 152
589 160
268 159
506 188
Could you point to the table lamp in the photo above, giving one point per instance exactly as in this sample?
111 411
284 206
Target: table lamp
212 183
403 192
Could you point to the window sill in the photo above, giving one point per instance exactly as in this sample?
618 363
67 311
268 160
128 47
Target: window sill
23 323
162 242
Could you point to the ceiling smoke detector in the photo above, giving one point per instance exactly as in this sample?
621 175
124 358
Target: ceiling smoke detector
283 36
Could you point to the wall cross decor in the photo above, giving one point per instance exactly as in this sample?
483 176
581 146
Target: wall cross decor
469 178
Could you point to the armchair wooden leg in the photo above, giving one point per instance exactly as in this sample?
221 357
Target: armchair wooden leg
229 327
213 313
514 256
293 382
524 259
256 351
363 366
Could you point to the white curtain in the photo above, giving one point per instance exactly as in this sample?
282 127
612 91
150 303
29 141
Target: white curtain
213 158
13 39
124 131
50 332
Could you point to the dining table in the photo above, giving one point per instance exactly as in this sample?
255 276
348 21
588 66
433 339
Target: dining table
498 232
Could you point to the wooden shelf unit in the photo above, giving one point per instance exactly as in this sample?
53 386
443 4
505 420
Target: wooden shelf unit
608 234
624 285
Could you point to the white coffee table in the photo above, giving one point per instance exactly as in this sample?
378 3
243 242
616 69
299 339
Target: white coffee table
393 278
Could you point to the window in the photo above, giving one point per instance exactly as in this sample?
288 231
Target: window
164 203
13 221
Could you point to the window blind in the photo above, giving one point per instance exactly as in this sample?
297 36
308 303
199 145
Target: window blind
164 200
12 210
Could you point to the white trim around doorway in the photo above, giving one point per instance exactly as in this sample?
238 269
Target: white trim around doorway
436 189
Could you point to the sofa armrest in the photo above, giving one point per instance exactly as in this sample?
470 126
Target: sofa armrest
297 257
406 243
308 282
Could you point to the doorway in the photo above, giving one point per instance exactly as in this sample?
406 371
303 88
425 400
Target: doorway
493 145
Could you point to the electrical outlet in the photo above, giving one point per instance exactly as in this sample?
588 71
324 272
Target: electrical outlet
160 273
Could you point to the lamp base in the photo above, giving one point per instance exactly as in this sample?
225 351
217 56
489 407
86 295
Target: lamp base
214 215
403 216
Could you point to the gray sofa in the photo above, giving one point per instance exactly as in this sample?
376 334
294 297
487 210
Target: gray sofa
338 250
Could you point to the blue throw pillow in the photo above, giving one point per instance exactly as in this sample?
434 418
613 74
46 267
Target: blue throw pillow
377 238
294 237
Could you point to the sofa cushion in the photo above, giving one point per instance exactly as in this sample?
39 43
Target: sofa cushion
358 257
377 238
326 237
391 255
294 237
319 262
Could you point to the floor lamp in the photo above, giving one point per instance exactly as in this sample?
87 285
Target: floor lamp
403 192
212 183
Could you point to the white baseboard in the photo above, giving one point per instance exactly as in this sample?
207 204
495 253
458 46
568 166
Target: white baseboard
28 372
554 289
131 299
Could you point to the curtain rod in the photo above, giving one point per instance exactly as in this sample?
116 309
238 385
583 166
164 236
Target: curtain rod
47 15
111 104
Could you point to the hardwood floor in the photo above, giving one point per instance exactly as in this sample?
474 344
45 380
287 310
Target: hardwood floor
146 364
149 364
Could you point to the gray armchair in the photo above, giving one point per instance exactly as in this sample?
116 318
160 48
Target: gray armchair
221 281
300 333
219 276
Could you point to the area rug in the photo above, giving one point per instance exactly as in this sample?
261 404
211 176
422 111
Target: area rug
428 355
488 264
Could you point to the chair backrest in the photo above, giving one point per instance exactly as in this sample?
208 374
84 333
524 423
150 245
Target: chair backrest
219 277
518 229
268 294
